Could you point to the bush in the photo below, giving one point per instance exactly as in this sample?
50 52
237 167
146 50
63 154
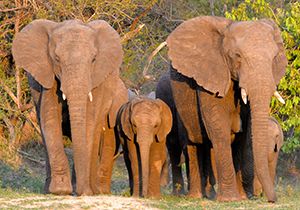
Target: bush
288 19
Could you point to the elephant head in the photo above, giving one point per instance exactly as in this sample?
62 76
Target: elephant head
215 50
146 121
79 56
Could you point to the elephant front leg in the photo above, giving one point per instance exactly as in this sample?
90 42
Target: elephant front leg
106 160
157 158
227 185
194 173
134 167
177 179
50 120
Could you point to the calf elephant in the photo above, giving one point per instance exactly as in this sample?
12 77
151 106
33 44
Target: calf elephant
247 181
213 60
73 71
248 174
143 125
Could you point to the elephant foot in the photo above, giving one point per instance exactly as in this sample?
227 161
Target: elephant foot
229 198
60 185
210 192
104 191
84 191
195 195
153 195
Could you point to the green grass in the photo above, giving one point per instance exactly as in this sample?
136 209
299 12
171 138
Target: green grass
21 188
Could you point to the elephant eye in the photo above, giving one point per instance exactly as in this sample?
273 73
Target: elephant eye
57 58
94 59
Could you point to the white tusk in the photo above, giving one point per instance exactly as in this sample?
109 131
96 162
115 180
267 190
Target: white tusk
64 96
103 128
90 96
244 95
278 96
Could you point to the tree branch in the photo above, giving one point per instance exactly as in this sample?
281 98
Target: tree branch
146 76
13 9
131 34
9 92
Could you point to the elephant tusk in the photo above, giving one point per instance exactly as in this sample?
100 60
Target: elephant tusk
244 95
64 96
90 96
278 96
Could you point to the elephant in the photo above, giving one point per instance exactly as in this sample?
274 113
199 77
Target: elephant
213 61
73 73
177 143
143 124
247 181
248 175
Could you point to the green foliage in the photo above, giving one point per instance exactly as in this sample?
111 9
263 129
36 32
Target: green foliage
288 19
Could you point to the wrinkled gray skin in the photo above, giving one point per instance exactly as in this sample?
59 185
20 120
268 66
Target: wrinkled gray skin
143 125
177 143
73 71
209 55
244 163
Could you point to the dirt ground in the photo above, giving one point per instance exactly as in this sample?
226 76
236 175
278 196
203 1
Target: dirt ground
71 202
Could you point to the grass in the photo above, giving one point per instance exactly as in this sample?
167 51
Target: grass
21 188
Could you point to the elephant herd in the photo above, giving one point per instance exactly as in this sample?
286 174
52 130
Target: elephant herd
211 110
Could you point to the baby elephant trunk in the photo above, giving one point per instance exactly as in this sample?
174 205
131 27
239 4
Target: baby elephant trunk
145 142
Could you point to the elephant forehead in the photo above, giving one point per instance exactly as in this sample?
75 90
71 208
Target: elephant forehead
74 32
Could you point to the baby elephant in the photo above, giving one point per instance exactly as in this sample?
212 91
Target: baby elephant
143 125
275 135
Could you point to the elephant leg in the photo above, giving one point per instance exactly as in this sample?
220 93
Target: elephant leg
50 120
129 169
177 178
194 173
157 158
208 170
106 160
133 156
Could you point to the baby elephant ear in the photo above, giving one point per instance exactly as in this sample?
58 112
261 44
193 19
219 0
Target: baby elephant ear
166 121
30 51
110 53
125 114
280 61
195 49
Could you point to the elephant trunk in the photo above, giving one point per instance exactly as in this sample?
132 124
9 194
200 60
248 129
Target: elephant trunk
259 104
144 142
77 98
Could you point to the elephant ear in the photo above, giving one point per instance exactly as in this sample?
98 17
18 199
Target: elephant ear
195 51
280 61
30 51
110 53
166 121
125 121
120 98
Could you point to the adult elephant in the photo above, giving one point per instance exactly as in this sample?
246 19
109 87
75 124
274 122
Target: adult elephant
198 162
207 55
74 74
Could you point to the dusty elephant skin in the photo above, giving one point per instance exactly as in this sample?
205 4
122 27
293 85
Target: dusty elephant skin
178 144
207 55
73 71
247 179
143 125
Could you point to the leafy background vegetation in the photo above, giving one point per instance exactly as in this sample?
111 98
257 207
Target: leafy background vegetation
143 25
